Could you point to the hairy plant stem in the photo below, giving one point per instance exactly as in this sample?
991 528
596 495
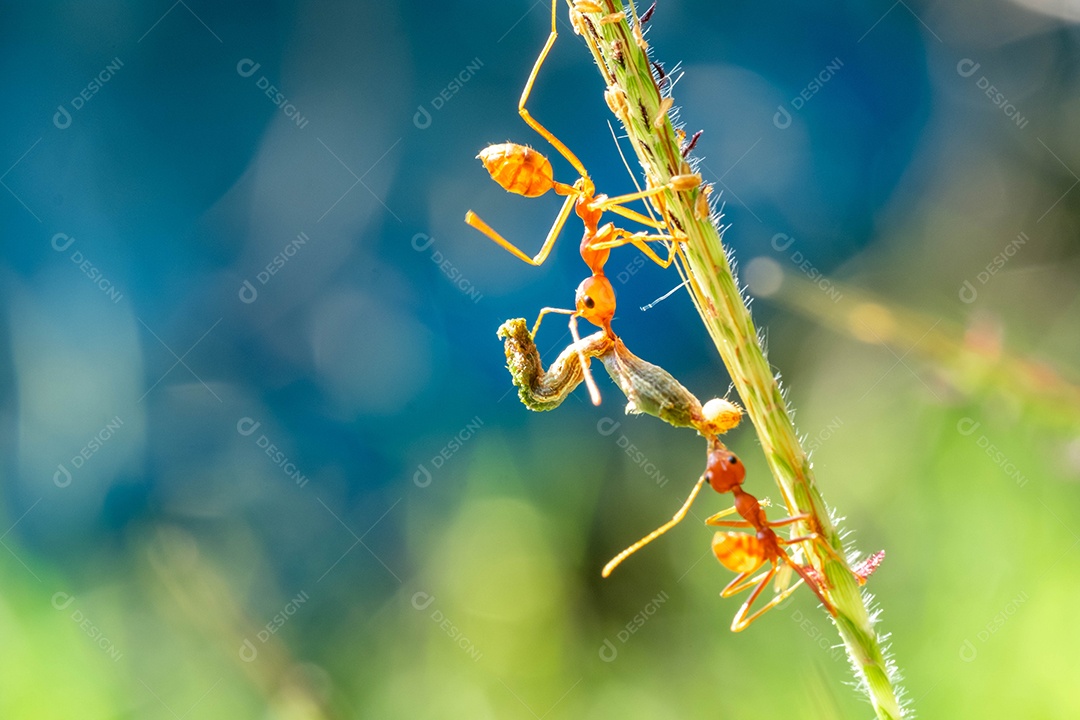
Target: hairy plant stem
621 53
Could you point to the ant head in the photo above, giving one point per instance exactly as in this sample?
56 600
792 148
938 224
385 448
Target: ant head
595 300
725 471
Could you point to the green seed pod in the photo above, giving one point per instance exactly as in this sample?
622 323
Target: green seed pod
651 389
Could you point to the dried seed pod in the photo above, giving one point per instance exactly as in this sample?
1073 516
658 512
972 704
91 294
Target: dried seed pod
686 181
577 21
639 38
701 206
616 102
661 114
651 389
540 390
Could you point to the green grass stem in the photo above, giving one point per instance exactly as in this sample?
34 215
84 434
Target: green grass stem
633 94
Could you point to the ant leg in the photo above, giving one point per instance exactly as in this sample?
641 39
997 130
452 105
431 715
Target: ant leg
812 537
789 520
741 622
728 523
649 221
813 584
556 228
712 519
545 311
637 217
555 142
680 183
617 560
624 237
740 583
715 519
861 571
594 391
474 220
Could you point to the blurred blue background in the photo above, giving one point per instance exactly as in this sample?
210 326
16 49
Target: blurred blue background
262 457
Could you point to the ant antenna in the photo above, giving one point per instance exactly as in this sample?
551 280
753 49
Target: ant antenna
683 273
665 296
617 560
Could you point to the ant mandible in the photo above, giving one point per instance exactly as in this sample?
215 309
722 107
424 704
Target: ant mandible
524 171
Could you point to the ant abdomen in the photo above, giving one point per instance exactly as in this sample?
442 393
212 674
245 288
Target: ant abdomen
738 552
518 168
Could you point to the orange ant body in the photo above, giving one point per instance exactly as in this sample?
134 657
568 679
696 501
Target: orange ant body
527 172
744 553
524 171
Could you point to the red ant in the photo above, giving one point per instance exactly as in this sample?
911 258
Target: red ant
744 553
524 171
